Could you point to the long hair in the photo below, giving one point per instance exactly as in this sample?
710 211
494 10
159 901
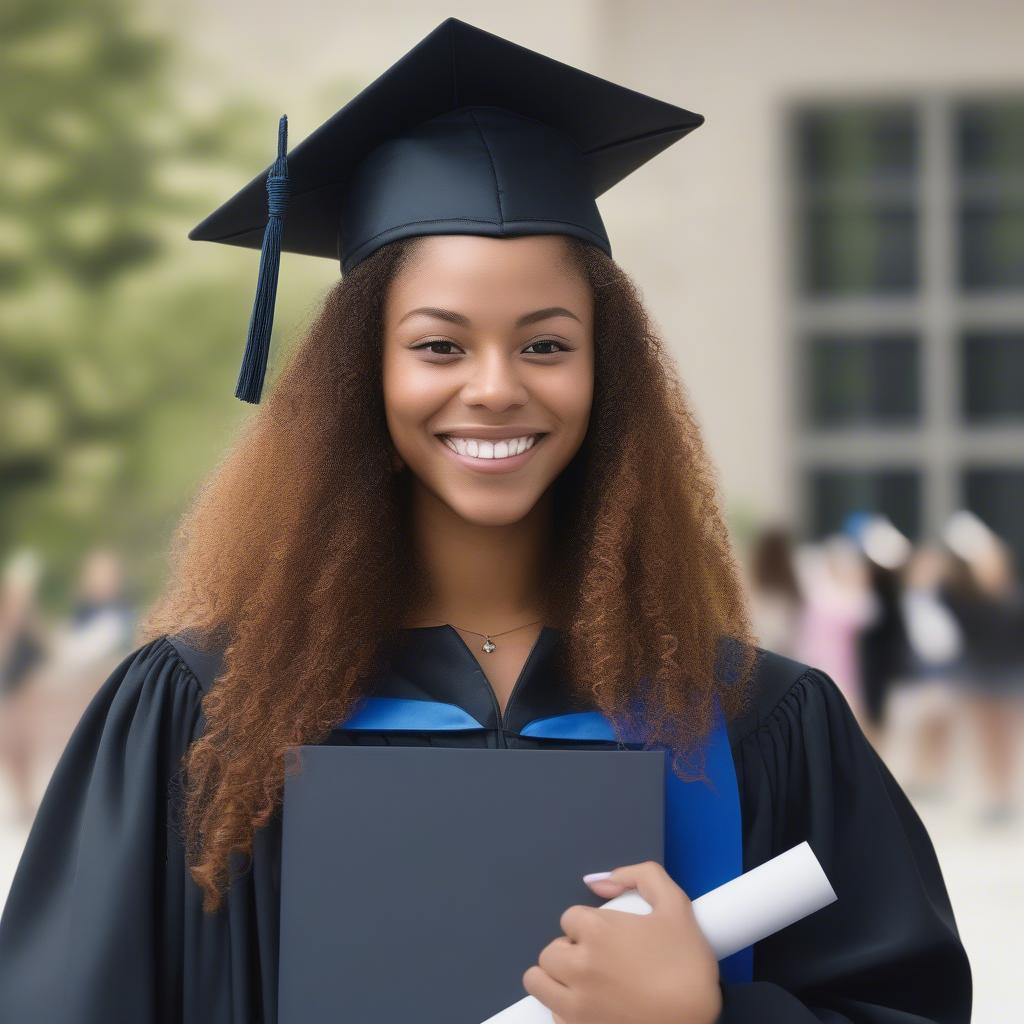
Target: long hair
295 559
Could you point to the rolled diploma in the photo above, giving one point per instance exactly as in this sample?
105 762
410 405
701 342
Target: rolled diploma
739 913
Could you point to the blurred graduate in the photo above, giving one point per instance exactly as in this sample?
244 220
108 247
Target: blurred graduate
477 487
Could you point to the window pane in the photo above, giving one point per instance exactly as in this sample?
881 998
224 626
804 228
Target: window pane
858 171
990 164
863 142
990 138
859 246
996 494
835 493
992 370
864 381
991 243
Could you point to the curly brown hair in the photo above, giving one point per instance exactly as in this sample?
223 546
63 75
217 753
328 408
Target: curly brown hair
295 559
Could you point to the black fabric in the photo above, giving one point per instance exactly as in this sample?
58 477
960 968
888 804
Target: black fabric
104 924
882 645
888 949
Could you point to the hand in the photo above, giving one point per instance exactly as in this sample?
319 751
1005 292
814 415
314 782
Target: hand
614 967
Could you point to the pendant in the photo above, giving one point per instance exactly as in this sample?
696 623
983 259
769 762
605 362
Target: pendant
489 645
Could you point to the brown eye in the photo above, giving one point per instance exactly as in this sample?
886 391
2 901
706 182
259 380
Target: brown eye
548 341
436 341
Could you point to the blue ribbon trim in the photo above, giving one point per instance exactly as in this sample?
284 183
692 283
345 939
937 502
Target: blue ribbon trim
399 714
580 725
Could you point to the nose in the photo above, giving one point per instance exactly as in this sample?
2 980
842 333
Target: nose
494 382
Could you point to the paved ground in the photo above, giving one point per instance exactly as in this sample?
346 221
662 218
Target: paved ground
981 865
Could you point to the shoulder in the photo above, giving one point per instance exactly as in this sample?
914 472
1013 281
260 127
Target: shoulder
204 664
776 678
149 707
163 670
156 665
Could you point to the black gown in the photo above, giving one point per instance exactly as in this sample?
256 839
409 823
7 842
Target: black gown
104 924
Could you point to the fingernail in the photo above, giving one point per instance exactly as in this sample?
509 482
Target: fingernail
596 876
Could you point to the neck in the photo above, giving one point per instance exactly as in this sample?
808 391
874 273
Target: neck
480 577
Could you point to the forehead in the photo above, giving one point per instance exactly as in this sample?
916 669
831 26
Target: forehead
483 272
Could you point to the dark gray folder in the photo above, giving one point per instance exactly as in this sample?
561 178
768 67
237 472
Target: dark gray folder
419 883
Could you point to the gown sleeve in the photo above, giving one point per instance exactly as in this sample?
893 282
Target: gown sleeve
887 951
92 927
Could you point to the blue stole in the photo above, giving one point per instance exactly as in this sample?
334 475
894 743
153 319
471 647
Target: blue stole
703 834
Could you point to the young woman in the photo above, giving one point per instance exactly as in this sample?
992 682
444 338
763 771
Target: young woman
477 481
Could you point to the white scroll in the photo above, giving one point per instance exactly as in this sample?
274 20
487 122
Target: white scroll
739 913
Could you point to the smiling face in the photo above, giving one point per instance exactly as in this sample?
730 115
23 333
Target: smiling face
488 352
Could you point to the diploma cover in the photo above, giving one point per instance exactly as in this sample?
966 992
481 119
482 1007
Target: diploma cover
419 883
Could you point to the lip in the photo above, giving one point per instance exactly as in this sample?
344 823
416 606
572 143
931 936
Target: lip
491 433
506 465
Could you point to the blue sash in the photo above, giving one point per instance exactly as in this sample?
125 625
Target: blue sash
703 834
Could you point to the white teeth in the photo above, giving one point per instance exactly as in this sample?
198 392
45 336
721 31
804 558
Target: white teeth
478 448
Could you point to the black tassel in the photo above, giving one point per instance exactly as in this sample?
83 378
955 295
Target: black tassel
261 323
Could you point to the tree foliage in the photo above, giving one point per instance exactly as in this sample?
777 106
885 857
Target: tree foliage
119 344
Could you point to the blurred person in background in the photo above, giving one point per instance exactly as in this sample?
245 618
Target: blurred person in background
102 620
22 650
79 654
775 596
882 643
838 603
97 633
986 597
935 662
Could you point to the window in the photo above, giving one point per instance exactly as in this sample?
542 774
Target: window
836 492
990 202
908 310
859 203
992 376
864 380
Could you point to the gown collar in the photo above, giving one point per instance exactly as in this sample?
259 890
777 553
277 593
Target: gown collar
435 663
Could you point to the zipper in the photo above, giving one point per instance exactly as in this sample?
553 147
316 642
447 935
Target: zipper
502 741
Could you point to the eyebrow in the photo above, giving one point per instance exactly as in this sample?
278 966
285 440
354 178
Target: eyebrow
457 318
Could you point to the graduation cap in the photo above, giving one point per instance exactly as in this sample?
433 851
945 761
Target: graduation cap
468 133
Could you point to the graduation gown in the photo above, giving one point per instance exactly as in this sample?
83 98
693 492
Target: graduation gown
103 922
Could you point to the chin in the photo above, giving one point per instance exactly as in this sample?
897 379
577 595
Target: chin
495 512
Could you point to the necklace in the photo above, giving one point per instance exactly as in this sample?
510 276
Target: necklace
489 645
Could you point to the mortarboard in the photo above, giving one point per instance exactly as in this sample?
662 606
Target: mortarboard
468 133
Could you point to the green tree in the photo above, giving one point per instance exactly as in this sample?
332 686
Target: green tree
117 353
